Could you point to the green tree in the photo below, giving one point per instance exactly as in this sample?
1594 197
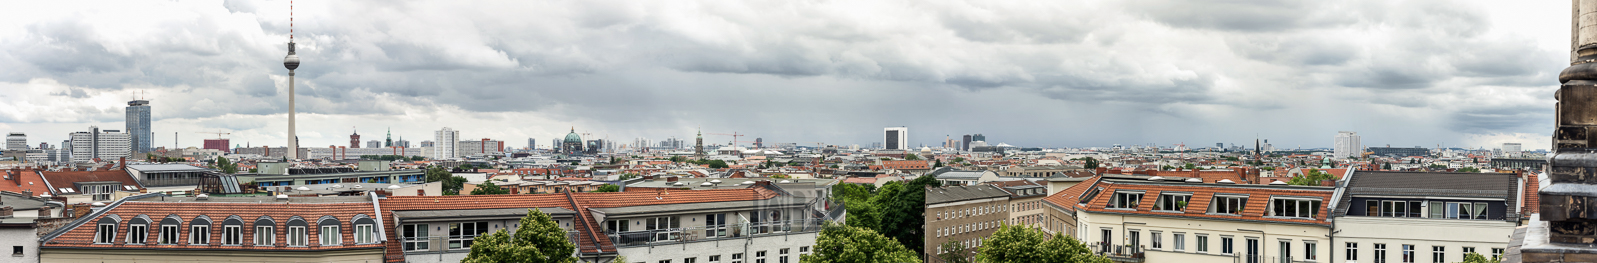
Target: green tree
609 188
911 157
1015 244
453 184
903 211
1473 257
839 243
226 166
938 164
1091 163
628 176
436 173
959 159
862 214
1386 166
1469 170
717 164
1191 167
538 239
488 188
1313 178
954 252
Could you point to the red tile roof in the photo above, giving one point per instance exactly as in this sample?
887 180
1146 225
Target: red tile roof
83 236
1068 198
1254 209
67 178
17 180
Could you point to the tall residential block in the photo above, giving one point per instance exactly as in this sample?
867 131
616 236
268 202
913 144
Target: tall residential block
1347 145
100 144
895 138
17 141
138 122
446 143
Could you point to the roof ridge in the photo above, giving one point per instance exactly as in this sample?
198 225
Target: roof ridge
85 218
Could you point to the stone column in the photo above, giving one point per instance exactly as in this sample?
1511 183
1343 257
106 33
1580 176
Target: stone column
1567 227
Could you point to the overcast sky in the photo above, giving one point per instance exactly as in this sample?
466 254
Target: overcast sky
1029 73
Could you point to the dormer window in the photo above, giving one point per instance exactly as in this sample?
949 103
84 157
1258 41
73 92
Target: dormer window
1228 204
1128 200
1293 207
1173 202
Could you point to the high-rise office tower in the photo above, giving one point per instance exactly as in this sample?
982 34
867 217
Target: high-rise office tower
895 138
16 141
1511 149
532 144
372 144
965 145
138 125
445 144
1347 145
978 137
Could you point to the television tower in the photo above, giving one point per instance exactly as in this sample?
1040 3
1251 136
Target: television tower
291 62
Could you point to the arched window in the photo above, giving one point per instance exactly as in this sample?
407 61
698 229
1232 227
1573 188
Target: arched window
232 230
365 229
138 229
105 229
296 232
169 230
265 231
329 234
200 230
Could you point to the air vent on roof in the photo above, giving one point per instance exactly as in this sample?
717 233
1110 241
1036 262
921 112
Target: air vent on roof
202 197
1225 181
1155 178
338 186
98 204
130 188
282 197
1194 180
358 187
1277 182
46 196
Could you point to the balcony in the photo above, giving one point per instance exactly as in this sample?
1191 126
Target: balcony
1119 253
729 231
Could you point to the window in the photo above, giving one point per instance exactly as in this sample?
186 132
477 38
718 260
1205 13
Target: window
1203 244
99 192
1125 200
1438 254
1468 250
1107 236
1228 204
168 235
137 233
715 225
415 237
1392 208
1158 242
264 235
1458 210
363 234
1352 251
1380 253
804 249
615 226
759 256
1134 238
1226 246
663 227
232 234
105 234
1497 254
664 261
329 236
16 250
1408 253
1180 241
1286 251
297 236
783 257
1294 208
715 258
199 234
1309 251
690 260
462 234
1172 202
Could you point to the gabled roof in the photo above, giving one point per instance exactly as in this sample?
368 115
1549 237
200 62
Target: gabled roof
68 178
82 236
1431 184
1067 199
18 180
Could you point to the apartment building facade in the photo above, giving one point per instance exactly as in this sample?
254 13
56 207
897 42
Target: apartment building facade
1425 217
1135 219
963 215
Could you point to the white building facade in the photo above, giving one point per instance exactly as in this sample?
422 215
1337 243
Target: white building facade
1347 145
1425 217
446 143
895 138
101 144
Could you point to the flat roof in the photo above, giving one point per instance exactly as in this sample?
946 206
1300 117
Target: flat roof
167 168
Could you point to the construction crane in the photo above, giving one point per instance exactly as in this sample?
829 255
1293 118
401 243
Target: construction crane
735 136
218 133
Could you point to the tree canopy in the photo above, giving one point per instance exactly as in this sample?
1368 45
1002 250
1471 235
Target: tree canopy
609 188
838 243
488 188
1473 257
1313 178
537 239
1021 244
226 166
911 156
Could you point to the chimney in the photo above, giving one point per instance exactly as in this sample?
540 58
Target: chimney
81 209
28 193
44 212
5 212
1102 170
124 163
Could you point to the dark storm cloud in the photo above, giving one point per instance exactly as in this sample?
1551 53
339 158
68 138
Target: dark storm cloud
1242 15
1500 119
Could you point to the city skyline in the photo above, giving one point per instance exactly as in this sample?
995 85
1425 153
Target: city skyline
77 66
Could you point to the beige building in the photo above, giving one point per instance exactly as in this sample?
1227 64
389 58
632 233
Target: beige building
963 215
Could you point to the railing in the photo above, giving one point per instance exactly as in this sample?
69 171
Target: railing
1119 253
728 231
440 244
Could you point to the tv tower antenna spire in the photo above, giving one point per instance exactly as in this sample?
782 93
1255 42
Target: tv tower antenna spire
291 62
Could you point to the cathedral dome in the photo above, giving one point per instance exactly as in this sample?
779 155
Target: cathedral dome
573 137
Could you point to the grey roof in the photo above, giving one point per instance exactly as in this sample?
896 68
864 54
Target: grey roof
478 213
949 194
250 199
167 168
20 203
1386 183
960 175
705 207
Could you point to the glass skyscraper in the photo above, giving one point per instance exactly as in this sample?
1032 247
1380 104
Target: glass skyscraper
139 125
